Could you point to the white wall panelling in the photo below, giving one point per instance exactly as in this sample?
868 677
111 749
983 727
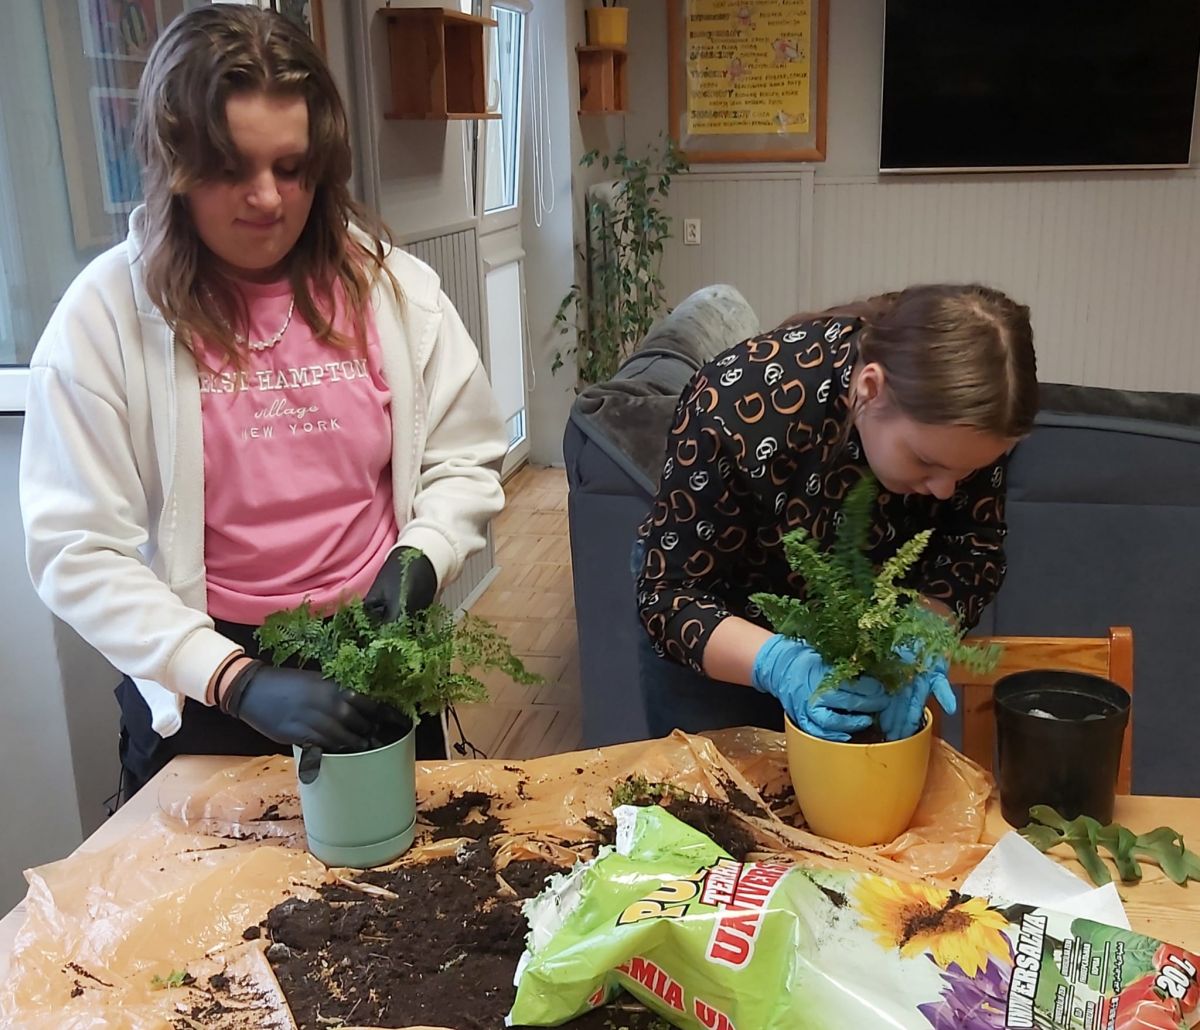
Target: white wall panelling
1108 264
753 227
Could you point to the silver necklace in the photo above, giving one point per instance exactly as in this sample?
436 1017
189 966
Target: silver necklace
256 345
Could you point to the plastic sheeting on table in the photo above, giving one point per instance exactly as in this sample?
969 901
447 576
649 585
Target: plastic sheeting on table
178 893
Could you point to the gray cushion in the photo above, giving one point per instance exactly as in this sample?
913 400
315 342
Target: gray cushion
711 320
1171 411
629 416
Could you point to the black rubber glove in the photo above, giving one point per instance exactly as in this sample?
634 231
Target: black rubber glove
299 706
406 584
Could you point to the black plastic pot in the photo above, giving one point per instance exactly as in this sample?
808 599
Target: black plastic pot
1068 756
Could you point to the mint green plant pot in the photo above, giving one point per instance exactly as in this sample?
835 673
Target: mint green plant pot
361 810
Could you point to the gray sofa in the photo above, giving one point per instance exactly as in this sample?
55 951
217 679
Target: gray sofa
1104 517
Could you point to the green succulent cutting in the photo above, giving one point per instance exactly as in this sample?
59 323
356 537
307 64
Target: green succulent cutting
1086 836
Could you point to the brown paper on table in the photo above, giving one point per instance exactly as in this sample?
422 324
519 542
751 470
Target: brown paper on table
100 926
178 893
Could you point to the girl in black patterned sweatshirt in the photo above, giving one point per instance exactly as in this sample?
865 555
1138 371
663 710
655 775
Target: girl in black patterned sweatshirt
927 389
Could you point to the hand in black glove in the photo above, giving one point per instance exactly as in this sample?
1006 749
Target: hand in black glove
299 706
405 585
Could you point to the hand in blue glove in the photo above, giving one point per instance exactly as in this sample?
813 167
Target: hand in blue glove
791 671
902 716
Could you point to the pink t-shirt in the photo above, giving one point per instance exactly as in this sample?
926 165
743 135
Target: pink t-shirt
297 467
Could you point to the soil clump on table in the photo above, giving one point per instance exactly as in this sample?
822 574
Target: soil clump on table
440 947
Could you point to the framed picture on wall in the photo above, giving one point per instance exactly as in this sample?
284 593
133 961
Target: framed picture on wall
121 30
747 81
114 112
98 50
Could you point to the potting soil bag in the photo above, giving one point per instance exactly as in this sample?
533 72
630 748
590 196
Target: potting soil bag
712 944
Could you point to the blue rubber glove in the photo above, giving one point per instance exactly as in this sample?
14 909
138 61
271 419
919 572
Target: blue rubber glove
902 716
791 671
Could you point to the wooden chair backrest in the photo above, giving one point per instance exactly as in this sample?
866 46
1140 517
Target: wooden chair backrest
1110 657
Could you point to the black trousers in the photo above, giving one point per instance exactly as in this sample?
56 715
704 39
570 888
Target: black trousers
209 731
677 697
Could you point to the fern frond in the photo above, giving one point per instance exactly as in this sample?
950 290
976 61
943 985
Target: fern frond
978 658
418 664
843 671
857 618
788 615
901 563
850 540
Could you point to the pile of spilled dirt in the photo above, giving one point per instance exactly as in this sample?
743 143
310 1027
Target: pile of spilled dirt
438 944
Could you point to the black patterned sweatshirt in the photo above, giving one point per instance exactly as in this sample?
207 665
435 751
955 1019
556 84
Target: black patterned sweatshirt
759 447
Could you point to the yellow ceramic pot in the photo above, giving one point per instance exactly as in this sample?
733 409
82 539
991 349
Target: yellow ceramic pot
859 793
608 26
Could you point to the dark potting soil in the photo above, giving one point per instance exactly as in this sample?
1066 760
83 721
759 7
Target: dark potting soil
785 797
742 801
717 822
871 735
467 815
442 951
711 818
605 829
232 1003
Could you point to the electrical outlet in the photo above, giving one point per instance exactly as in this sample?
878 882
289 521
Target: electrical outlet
691 232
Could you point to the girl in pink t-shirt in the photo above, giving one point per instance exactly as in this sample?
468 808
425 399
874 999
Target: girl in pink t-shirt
296 406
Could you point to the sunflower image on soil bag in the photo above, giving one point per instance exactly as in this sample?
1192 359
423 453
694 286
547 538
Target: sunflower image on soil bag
713 944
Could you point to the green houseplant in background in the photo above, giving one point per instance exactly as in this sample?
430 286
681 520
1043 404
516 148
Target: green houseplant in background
619 295
360 809
859 619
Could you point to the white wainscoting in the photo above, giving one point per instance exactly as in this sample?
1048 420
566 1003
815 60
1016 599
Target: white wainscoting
1109 264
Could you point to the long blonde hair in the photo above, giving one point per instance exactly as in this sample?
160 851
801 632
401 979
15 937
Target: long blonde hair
951 355
182 139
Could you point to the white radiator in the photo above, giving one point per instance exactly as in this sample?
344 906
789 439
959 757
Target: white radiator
455 257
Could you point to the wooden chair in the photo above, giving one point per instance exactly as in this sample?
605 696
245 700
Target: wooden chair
1110 657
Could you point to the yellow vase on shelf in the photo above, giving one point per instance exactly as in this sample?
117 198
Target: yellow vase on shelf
608 26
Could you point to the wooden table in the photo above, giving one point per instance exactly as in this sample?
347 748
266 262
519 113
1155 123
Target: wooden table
1156 906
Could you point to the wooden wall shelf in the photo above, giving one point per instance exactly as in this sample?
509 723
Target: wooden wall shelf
438 64
603 84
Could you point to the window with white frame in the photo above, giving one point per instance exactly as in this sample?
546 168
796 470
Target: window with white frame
506 329
69 73
8 251
503 135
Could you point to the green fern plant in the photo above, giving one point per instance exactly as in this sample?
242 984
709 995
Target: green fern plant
419 664
856 617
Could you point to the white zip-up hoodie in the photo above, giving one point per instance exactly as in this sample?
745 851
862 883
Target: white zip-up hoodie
112 465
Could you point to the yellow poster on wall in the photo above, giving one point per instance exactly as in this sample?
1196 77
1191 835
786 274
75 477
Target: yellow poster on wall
748 66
